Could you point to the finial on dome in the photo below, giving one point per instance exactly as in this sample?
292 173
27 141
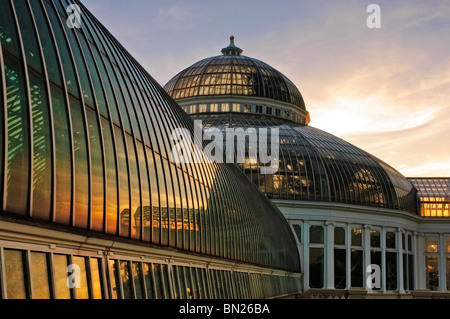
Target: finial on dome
232 49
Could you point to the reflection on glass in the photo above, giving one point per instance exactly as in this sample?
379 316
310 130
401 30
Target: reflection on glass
95 277
316 267
137 277
149 282
61 275
432 272
39 275
431 245
14 274
114 270
126 279
83 291
356 237
375 239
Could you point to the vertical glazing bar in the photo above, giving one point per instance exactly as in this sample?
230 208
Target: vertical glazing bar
2 273
30 116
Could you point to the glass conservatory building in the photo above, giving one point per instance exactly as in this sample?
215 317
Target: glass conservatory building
355 217
91 204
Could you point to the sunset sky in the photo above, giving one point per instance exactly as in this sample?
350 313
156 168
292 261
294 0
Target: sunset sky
384 90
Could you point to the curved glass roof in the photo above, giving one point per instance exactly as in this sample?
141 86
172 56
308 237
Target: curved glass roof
317 166
234 74
86 140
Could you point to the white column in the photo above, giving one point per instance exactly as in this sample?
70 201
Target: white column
306 255
329 257
420 281
400 283
366 251
348 244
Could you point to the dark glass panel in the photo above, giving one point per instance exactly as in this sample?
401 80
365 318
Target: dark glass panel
63 151
356 237
391 271
18 172
125 274
357 268
8 30
149 282
81 209
166 281
63 49
61 275
158 281
40 283
340 268
80 66
97 196
390 240
144 210
375 238
111 178
27 31
375 259
47 44
42 148
155 209
316 267
137 277
14 274
316 235
339 236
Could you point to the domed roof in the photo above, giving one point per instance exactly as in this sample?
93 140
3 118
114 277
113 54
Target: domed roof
317 166
234 74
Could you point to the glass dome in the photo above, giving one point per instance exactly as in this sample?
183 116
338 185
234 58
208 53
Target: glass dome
234 74
317 166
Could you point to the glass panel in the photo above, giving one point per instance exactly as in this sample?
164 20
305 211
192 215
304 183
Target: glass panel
83 291
391 271
137 274
166 281
61 275
356 237
432 272
316 267
431 245
96 265
135 191
339 236
448 271
124 202
375 259
158 281
340 262
189 288
39 275
316 235
42 157
69 72
81 165
97 171
63 153
48 47
356 268
111 182
114 270
14 274
375 239
126 279
181 282
149 283
29 40
390 240
18 137
8 30
298 232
